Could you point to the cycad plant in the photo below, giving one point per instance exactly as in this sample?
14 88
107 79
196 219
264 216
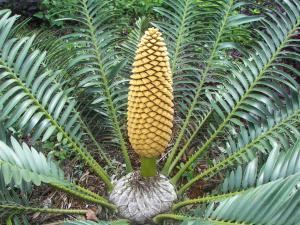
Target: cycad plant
175 95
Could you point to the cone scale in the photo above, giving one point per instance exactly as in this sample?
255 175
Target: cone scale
140 195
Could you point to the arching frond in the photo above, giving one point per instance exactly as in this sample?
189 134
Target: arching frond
95 67
251 94
12 206
20 163
182 29
15 206
23 163
32 99
276 202
19 84
198 32
255 138
59 53
279 164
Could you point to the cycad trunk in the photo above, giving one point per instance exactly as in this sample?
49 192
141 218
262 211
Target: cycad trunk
139 198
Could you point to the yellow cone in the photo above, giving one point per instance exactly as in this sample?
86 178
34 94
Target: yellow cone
150 99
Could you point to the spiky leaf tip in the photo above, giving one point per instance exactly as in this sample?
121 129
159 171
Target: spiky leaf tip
150 99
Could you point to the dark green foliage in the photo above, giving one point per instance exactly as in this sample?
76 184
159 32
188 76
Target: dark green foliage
24 7
131 9
52 10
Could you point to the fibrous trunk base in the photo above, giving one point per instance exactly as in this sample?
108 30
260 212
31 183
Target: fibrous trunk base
139 198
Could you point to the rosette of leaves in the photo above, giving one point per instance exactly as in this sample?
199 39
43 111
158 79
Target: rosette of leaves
243 112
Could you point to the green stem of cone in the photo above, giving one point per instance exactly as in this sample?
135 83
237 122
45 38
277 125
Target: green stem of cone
148 167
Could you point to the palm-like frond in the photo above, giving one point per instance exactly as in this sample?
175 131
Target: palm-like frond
32 99
251 94
19 81
23 163
279 164
198 32
276 202
182 30
266 195
59 54
15 208
254 138
95 66
20 163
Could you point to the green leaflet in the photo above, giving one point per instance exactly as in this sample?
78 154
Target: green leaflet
21 163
